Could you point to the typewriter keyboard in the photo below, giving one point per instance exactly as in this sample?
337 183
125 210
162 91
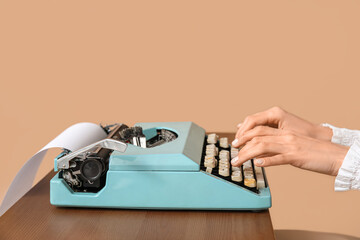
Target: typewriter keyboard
216 157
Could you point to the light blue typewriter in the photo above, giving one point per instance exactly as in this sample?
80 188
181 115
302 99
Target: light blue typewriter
165 165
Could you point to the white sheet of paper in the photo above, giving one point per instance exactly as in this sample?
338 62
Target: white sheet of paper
73 138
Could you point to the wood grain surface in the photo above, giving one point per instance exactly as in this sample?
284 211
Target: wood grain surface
33 217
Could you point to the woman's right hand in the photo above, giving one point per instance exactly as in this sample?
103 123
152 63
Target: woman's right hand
278 118
276 147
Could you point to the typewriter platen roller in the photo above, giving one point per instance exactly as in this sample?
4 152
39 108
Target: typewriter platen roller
166 165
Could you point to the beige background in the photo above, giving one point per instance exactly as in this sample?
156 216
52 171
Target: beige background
211 62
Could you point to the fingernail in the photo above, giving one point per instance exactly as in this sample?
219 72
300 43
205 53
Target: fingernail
234 160
239 125
259 161
235 141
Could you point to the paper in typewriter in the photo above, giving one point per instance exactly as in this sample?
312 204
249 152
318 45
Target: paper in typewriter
73 138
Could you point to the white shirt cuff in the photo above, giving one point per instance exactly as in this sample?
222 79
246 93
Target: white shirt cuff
349 173
343 136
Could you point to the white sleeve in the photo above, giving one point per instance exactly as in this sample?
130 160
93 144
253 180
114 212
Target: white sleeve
343 136
348 177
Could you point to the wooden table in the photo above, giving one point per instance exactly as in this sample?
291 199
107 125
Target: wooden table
33 217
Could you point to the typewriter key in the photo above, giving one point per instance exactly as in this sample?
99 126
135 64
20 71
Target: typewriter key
224 154
247 165
250 182
224 172
212 138
234 152
210 162
259 177
236 176
258 169
224 143
211 149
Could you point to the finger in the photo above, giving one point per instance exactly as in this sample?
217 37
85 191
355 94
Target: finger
279 159
254 149
236 134
270 117
256 132
266 155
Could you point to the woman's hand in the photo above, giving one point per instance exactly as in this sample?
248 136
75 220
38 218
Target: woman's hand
271 146
278 118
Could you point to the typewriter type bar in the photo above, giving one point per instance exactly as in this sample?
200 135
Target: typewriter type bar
216 158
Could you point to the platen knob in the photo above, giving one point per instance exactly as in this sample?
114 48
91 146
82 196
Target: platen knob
91 169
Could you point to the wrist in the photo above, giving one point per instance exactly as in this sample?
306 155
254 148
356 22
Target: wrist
339 159
323 133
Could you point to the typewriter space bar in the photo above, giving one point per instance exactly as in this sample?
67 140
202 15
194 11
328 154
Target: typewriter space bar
108 143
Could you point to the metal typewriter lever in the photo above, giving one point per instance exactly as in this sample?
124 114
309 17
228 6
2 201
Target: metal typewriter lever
108 143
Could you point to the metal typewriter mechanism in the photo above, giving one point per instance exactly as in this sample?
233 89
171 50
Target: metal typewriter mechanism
85 170
166 165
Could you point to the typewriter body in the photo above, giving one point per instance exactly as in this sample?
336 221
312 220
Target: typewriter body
166 165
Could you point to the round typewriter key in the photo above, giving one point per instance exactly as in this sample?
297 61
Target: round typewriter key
91 169
250 182
224 172
210 162
236 176
224 154
212 138
224 143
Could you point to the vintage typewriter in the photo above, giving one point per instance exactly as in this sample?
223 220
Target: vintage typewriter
166 165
